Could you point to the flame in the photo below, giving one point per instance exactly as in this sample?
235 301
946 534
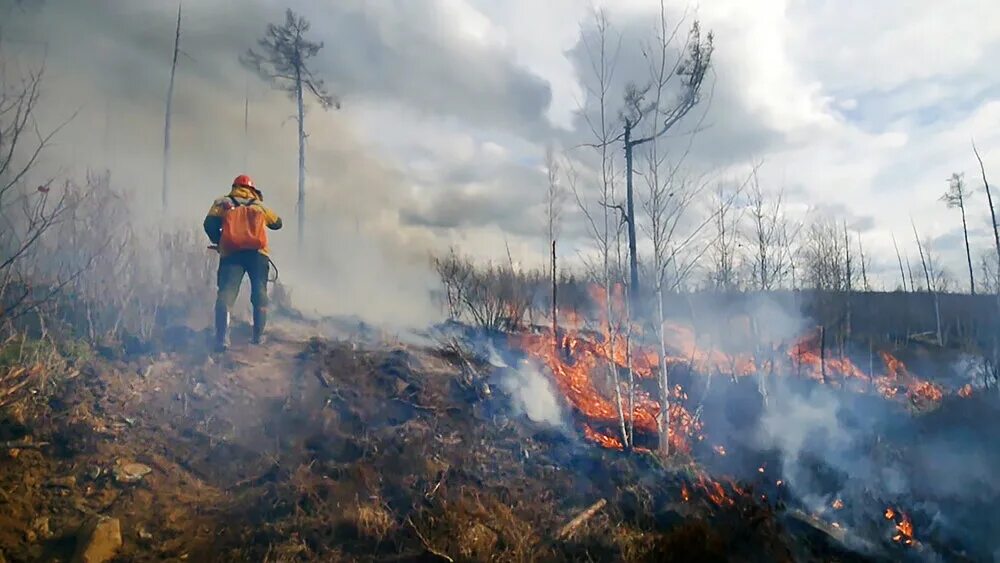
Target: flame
609 442
715 491
577 360
966 391
926 391
903 532
838 504
685 492
582 362
807 353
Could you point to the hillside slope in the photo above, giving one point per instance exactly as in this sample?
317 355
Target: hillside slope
320 449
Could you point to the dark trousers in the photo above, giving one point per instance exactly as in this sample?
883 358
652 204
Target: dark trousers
231 269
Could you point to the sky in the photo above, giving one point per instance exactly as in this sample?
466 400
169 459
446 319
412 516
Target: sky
856 109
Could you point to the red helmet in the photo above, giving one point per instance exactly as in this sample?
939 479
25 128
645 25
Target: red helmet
244 181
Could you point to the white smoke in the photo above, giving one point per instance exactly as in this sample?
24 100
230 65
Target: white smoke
531 391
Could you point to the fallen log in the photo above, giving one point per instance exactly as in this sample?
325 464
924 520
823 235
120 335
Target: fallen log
567 530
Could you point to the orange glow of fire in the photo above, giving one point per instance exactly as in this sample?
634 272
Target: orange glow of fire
583 362
926 391
577 362
715 491
807 355
838 504
966 391
604 440
903 532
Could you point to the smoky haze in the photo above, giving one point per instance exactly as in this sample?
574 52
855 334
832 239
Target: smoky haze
108 64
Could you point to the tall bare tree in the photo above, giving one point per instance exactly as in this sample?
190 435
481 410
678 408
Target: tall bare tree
283 61
691 67
931 277
865 264
899 258
554 201
169 112
993 212
955 198
602 55
669 198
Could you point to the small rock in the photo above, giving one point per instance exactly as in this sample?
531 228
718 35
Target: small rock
143 533
98 540
131 472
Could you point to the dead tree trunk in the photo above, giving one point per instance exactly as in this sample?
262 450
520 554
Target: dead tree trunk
993 213
555 301
822 353
633 259
169 112
899 258
301 205
996 239
968 249
931 287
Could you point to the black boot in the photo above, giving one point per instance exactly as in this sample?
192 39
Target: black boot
259 323
221 328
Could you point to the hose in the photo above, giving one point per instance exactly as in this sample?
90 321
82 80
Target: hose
275 268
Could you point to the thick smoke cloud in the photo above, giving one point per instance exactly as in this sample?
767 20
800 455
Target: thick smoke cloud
108 62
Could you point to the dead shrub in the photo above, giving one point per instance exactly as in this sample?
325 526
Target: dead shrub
490 296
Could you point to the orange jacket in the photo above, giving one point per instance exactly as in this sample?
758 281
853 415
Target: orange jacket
244 196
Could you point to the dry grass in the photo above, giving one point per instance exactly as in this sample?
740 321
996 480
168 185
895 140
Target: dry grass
374 519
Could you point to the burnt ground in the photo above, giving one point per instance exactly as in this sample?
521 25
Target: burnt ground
319 449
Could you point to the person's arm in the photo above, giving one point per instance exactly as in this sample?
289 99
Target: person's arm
213 223
272 218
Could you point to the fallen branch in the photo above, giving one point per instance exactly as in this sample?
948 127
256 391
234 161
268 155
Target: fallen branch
427 544
13 374
20 445
567 530
271 472
836 533
318 372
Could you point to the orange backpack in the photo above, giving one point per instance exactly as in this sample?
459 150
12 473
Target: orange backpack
244 227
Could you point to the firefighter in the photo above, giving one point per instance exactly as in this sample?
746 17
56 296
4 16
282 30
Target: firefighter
237 226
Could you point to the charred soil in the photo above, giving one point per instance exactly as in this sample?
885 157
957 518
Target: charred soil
317 449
